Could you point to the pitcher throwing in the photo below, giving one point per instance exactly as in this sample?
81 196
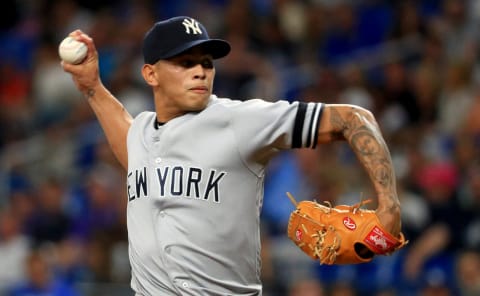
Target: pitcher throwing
196 165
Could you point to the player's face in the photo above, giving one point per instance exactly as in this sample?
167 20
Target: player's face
185 81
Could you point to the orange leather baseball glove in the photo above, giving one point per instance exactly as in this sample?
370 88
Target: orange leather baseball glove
340 235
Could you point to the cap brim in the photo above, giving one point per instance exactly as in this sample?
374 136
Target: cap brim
218 48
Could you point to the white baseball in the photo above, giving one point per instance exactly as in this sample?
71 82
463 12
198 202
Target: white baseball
72 51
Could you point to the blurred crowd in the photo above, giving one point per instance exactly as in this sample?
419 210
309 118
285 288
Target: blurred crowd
414 64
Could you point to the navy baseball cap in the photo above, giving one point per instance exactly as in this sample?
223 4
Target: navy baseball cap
173 36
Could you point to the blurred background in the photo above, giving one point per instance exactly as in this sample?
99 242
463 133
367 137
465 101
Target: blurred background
414 64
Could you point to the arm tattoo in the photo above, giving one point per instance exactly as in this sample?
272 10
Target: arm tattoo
367 142
90 93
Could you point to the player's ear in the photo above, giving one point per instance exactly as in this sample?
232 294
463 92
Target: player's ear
148 73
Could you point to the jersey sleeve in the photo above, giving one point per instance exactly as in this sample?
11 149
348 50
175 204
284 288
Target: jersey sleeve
279 125
305 128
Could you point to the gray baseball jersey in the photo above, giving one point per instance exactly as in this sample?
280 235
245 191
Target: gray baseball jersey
195 190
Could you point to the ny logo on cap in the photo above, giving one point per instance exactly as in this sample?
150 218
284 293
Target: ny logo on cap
191 24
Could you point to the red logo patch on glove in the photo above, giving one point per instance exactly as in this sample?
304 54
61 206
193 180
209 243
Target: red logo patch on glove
380 241
349 223
298 234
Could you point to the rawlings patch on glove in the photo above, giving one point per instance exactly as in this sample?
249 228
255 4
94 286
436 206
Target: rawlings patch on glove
340 235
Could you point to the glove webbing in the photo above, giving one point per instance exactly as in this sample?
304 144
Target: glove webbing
329 252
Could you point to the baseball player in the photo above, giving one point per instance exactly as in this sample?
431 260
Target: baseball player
195 166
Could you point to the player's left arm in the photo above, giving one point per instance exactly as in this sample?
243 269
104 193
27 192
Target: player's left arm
359 128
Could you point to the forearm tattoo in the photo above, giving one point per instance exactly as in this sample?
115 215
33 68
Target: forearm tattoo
365 138
90 93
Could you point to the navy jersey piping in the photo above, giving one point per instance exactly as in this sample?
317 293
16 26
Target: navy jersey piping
298 125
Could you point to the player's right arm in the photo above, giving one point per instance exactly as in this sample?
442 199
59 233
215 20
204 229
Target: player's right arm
112 115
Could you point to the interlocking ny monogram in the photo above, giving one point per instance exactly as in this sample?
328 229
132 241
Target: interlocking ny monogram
191 24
